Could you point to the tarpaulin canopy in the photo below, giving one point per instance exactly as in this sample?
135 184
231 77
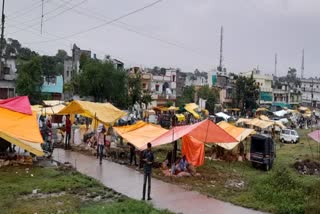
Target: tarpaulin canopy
180 117
105 113
223 115
315 135
236 132
205 131
140 133
262 109
51 110
263 124
18 124
193 149
190 107
53 102
280 113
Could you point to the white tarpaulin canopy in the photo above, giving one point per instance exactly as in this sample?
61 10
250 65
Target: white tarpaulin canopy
223 115
280 113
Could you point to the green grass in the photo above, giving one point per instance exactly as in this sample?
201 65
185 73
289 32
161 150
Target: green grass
17 185
280 190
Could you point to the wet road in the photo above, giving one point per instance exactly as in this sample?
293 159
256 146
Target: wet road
129 182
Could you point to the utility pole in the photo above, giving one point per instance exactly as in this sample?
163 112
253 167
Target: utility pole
221 50
302 65
41 18
1 41
275 64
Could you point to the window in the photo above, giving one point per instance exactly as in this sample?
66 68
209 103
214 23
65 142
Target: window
68 73
173 78
144 85
157 87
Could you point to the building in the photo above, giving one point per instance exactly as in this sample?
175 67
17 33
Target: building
53 87
72 64
67 69
181 79
163 87
265 86
310 89
284 95
8 78
225 83
196 79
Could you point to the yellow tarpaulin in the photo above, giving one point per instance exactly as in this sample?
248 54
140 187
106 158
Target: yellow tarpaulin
53 102
140 134
48 110
104 113
261 109
236 132
243 120
191 108
180 117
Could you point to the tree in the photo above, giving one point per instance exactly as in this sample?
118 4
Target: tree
30 80
61 55
246 93
26 54
211 96
135 88
103 81
146 98
188 94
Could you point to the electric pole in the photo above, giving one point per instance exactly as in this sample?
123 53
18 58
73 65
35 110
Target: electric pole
275 64
1 41
221 50
302 64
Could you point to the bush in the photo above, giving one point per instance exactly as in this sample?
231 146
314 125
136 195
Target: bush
282 191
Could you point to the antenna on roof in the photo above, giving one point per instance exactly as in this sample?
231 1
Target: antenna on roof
221 50
302 64
275 64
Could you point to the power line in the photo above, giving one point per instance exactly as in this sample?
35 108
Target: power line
37 18
103 24
26 11
130 28
51 17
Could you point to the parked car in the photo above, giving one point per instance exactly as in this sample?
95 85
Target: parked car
289 136
262 151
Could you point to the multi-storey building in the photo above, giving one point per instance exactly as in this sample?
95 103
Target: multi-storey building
310 89
8 78
265 85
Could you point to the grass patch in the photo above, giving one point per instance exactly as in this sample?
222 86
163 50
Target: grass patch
281 190
61 191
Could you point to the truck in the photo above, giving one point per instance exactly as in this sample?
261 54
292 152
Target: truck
262 151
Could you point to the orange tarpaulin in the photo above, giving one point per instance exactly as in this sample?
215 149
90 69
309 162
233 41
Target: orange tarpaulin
193 149
205 131
140 134
18 124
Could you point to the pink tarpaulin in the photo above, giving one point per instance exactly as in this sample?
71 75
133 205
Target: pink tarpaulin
205 131
315 135
18 104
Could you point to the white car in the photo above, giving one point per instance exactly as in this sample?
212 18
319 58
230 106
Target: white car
289 136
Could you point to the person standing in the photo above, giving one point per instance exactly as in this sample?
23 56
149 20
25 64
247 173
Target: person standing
100 141
148 160
68 133
133 154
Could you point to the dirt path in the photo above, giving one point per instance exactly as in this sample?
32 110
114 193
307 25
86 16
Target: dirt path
129 182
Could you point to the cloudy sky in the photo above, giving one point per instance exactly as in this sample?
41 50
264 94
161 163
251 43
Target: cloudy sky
176 33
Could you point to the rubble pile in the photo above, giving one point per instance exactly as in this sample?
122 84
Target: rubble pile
307 167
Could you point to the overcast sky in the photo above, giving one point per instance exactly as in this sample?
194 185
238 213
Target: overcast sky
176 33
